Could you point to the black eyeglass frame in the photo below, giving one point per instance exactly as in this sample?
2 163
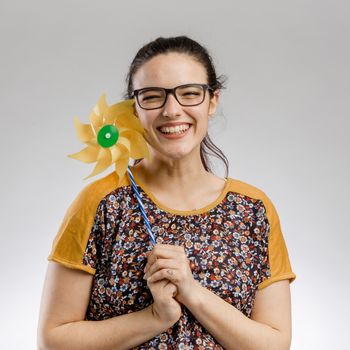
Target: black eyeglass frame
172 91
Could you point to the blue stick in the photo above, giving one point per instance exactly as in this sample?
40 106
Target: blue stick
142 209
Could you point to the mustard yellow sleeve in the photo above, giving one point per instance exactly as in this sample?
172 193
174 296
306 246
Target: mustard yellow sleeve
81 224
276 264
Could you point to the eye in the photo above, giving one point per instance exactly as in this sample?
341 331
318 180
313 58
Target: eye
190 92
196 93
150 95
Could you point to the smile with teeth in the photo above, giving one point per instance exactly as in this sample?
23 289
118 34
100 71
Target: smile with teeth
178 129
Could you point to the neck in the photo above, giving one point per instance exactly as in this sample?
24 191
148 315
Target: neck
172 175
182 184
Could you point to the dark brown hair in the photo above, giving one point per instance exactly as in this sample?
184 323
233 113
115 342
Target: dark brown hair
185 45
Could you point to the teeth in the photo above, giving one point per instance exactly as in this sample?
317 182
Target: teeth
175 130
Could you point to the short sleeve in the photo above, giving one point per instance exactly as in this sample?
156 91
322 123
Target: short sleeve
76 243
276 265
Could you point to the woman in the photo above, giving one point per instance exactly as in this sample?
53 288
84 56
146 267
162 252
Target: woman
219 274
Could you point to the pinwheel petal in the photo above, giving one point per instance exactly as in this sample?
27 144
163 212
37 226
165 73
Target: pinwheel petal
96 121
92 142
116 153
123 107
120 108
102 153
122 114
84 131
86 155
120 166
138 146
101 105
128 121
124 150
102 164
125 142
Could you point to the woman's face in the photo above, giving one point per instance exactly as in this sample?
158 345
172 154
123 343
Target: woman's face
168 71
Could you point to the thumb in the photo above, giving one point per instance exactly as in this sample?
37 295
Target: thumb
171 289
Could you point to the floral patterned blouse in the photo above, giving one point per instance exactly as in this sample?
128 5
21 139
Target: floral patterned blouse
235 246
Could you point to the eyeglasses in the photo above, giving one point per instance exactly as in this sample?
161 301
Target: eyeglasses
155 97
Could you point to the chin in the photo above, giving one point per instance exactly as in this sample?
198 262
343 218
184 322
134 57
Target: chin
178 154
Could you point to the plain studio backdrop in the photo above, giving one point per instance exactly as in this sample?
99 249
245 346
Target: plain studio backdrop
283 123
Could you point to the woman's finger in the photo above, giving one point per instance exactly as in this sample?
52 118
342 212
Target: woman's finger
170 288
170 274
159 265
165 251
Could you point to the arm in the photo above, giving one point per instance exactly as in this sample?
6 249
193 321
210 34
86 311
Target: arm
62 326
268 329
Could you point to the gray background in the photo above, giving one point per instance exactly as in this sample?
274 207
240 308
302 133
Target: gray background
283 123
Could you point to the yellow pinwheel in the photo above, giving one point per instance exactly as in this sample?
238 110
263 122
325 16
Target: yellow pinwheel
114 135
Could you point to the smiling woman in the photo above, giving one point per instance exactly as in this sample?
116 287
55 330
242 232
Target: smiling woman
202 60
175 75
219 274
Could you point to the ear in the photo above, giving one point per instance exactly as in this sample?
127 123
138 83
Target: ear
135 111
214 101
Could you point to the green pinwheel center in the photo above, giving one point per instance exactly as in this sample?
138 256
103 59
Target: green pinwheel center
108 136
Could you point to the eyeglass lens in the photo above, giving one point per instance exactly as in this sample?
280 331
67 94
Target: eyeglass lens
186 96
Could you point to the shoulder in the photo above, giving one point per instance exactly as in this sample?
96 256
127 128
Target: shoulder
279 266
71 239
92 194
253 192
246 189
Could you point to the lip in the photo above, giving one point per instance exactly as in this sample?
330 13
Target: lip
175 136
169 125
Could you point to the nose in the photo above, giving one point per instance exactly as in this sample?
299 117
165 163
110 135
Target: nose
172 108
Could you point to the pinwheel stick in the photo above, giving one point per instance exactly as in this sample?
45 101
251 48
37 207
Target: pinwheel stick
142 209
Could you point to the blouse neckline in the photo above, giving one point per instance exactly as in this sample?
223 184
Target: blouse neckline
165 208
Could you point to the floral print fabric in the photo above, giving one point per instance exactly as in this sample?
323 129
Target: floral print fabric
227 247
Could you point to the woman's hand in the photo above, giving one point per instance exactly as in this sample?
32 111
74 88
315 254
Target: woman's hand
165 308
170 262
